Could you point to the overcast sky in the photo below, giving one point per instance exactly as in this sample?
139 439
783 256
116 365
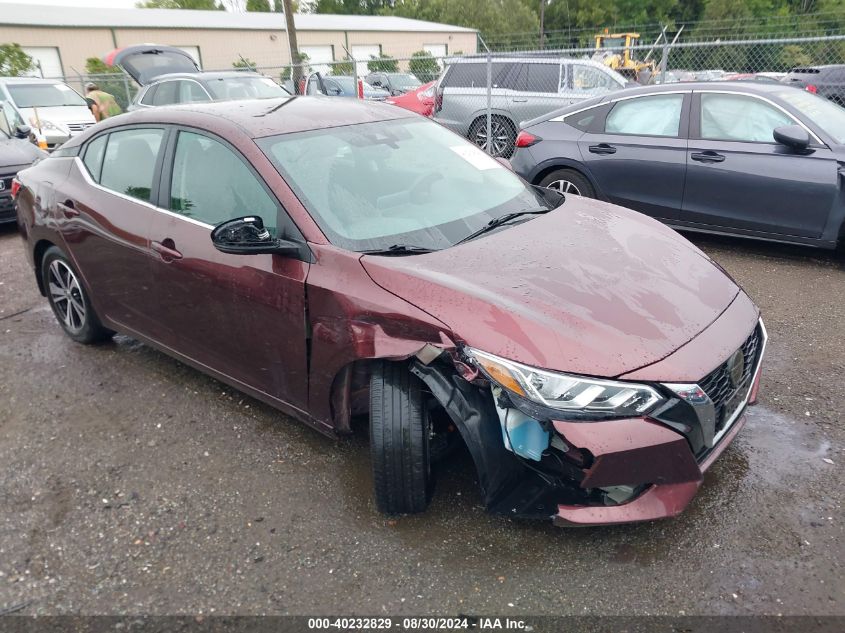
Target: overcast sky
114 4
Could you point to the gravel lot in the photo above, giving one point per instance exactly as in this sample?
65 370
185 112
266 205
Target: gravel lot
130 483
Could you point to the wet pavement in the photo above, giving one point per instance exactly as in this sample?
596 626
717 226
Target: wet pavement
130 483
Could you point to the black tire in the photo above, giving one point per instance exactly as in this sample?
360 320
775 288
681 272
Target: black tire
503 129
73 309
399 437
582 186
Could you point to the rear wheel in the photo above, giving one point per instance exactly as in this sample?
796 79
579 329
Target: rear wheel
503 134
569 182
68 299
399 440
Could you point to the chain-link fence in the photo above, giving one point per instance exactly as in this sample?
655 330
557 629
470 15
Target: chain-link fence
486 96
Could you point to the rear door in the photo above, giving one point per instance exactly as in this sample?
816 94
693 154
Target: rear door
738 177
105 219
535 89
241 316
638 158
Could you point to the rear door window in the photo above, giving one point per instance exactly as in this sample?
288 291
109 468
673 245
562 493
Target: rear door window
474 75
130 161
192 92
149 95
93 159
167 93
658 115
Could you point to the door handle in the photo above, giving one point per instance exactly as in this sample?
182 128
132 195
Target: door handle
68 209
602 148
166 249
707 157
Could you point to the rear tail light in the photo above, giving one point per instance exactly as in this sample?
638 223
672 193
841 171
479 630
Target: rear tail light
526 139
811 88
16 186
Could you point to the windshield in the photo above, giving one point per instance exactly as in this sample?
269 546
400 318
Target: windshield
825 114
403 80
408 181
43 95
234 88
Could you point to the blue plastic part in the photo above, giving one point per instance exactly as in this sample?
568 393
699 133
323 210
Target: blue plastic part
527 437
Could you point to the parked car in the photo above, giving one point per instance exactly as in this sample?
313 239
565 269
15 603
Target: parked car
730 157
169 76
522 88
763 77
51 104
825 81
395 83
673 77
341 86
340 258
16 153
420 100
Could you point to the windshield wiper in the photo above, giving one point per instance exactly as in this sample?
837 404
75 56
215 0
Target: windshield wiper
400 249
492 224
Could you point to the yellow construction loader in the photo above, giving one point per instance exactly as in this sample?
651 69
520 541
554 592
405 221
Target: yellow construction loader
614 50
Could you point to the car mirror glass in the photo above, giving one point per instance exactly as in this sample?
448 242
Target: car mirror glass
793 136
248 236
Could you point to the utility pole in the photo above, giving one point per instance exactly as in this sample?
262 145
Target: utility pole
296 68
542 20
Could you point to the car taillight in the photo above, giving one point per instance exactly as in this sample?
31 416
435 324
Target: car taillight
811 88
526 139
16 186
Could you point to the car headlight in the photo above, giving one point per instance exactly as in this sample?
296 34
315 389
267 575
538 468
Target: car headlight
574 396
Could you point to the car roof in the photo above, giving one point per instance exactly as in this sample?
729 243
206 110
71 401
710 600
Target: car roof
30 80
220 74
686 86
262 117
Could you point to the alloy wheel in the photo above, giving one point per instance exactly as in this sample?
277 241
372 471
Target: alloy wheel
66 296
501 137
564 186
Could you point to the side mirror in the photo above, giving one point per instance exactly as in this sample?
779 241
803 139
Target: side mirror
247 236
793 136
22 131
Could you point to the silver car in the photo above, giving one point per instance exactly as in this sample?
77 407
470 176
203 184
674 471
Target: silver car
523 88
49 104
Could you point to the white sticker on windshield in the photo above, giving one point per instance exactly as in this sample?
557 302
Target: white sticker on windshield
64 88
476 157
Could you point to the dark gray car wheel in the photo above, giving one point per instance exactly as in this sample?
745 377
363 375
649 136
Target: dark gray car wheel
503 134
569 182
68 299
399 440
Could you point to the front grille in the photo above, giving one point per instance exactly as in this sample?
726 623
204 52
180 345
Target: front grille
728 395
78 127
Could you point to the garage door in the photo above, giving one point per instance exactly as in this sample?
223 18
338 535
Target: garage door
47 61
362 53
319 57
437 50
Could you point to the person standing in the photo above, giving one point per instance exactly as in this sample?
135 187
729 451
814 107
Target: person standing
103 105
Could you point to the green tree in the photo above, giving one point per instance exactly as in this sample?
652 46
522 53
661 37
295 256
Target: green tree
14 62
491 17
244 62
383 64
258 5
424 66
353 7
204 5
345 67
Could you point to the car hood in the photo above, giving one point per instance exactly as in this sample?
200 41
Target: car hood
59 114
16 151
589 288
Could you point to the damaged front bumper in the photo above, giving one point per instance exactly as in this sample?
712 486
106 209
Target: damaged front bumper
610 471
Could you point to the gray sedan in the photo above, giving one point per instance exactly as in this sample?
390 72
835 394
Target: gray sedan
755 160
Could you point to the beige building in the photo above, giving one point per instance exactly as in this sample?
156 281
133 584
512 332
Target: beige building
60 39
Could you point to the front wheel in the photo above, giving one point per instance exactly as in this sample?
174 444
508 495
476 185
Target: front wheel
68 299
399 440
569 182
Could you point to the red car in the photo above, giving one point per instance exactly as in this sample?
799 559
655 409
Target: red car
339 259
419 100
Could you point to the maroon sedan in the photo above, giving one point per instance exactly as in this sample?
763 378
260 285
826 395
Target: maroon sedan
339 259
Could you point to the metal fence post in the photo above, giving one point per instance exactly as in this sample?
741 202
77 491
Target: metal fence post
126 90
664 60
489 104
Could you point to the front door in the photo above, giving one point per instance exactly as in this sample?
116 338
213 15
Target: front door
738 177
639 159
240 315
